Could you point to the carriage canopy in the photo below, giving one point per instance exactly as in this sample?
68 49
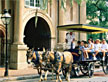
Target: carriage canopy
83 28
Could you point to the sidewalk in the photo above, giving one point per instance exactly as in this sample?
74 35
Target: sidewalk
18 74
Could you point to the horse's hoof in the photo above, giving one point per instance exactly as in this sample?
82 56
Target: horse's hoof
60 80
40 80
45 79
68 81
56 80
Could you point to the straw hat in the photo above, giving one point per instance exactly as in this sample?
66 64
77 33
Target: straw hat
97 40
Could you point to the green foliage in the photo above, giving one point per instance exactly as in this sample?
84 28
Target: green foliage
44 3
97 14
63 2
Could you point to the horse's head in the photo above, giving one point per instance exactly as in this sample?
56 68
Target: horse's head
29 56
46 56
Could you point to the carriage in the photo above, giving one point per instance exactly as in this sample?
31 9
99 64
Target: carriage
86 66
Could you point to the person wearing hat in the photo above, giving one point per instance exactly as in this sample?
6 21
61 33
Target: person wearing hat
97 48
104 48
70 38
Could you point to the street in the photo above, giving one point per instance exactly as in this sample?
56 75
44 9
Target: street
98 77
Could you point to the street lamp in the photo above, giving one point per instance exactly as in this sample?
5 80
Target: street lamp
6 19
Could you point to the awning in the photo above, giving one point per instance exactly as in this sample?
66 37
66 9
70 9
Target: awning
83 28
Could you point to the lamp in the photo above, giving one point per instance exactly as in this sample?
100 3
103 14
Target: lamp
6 19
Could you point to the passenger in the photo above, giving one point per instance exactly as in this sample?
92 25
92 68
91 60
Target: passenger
85 50
70 38
97 48
104 48
90 46
78 45
81 45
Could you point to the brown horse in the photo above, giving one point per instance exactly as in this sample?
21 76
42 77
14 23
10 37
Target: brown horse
60 60
36 58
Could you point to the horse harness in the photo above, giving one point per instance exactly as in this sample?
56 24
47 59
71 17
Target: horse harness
57 56
36 61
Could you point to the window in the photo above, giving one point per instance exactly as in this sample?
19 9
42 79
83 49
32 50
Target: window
37 3
32 3
27 2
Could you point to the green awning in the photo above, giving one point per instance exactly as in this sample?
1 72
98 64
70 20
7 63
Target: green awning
83 28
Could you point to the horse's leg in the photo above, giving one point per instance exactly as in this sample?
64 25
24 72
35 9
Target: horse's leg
68 76
60 78
68 72
57 77
41 77
59 67
52 72
46 73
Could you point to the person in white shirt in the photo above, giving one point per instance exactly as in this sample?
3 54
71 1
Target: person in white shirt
104 48
70 38
90 46
97 48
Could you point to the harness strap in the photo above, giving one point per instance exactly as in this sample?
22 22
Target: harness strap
63 57
37 57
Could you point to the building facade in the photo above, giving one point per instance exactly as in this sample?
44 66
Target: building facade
23 34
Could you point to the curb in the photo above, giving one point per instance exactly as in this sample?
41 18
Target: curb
18 78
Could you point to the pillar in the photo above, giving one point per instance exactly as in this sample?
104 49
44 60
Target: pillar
62 34
0 7
83 19
18 49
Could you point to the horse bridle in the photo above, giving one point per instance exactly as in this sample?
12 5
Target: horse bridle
46 56
28 54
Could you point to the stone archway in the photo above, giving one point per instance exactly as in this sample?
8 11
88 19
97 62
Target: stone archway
2 35
37 37
30 14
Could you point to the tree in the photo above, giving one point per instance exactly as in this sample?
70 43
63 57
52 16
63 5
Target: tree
97 14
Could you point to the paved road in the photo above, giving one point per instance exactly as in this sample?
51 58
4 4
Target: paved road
94 79
98 77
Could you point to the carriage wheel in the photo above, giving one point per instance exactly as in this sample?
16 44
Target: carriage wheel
90 69
105 65
75 71
84 69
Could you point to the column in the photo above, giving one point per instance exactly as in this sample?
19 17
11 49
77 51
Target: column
18 49
62 34
83 19
0 7
18 32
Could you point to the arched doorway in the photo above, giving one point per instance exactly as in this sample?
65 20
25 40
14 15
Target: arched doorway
1 48
37 37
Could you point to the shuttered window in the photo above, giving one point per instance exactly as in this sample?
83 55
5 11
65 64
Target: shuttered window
32 3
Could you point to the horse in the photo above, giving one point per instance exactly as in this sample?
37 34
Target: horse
60 61
36 58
